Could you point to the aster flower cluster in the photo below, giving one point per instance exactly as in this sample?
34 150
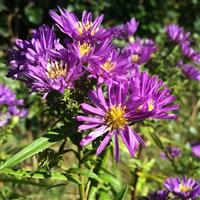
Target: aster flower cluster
177 188
43 63
179 36
123 96
46 64
10 106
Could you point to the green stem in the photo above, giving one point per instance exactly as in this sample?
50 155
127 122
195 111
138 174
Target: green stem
82 184
136 177
94 184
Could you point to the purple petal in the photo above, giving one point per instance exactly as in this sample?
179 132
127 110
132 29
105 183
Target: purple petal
116 147
104 143
89 119
87 126
101 97
91 109
93 135
129 139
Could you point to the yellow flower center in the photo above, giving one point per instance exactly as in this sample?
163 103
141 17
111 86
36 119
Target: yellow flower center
85 48
135 58
150 106
184 188
150 103
56 69
115 117
108 65
82 27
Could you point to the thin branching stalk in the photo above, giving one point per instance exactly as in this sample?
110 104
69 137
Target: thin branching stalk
82 183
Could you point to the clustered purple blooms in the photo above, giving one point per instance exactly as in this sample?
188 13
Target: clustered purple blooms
9 105
46 64
43 63
196 150
178 35
184 188
174 152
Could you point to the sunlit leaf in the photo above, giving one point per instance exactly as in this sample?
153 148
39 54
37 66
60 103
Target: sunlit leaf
41 175
38 145
121 195
84 172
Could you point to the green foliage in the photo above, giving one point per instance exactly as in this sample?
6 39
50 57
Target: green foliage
41 175
33 13
38 145
121 195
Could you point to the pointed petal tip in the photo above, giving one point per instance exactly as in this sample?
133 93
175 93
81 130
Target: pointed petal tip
83 142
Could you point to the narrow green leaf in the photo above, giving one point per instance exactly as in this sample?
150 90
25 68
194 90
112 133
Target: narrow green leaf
38 145
158 177
121 195
84 172
104 195
111 179
157 140
40 175
92 193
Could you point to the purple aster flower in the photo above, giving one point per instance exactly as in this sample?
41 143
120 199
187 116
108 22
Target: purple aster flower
190 52
177 33
158 195
46 65
114 65
140 51
32 51
196 150
125 30
84 30
151 95
112 118
190 71
17 58
86 51
125 104
131 27
174 152
9 105
184 188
